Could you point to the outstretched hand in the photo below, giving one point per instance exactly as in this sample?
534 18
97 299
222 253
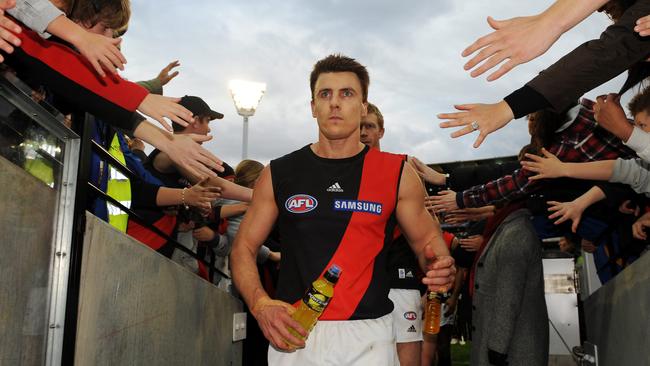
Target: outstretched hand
486 118
517 40
102 52
165 76
548 166
445 201
158 107
200 195
184 151
564 211
8 29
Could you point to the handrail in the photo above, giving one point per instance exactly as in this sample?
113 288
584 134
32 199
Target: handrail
98 192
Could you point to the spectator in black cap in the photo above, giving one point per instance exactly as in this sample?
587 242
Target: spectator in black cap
161 164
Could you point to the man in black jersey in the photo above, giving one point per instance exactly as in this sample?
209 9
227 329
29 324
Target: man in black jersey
336 202
402 267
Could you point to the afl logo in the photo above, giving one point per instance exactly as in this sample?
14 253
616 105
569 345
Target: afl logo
410 315
300 203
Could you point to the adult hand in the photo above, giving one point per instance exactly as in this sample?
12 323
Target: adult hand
517 40
274 318
101 51
200 195
566 211
8 29
426 173
486 119
643 26
445 201
548 166
164 76
471 243
638 228
203 233
610 115
440 271
158 107
184 151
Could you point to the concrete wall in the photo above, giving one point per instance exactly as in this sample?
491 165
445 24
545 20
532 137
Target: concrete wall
27 223
138 308
617 317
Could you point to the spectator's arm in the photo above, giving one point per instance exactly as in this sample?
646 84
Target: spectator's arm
596 61
102 52
183 148
522 39
549 166
573 210
633 172
506 188
639 141
198 195
35 14
230 190
234 209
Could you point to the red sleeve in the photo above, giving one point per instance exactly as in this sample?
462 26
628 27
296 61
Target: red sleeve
70 76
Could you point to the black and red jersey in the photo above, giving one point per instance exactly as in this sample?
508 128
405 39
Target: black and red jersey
337 211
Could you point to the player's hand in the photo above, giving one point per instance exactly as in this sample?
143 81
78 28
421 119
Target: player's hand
274 318
440 271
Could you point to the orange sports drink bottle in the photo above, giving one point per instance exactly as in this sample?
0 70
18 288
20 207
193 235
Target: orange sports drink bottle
316 299
432 311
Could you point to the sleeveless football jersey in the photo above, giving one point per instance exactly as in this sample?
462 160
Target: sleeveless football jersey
337 211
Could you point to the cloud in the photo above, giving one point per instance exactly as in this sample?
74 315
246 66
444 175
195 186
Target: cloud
412 50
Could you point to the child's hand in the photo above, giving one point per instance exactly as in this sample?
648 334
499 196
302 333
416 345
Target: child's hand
101 52
564 211
548 166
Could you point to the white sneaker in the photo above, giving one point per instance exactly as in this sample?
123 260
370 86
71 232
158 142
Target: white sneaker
454 341
462 341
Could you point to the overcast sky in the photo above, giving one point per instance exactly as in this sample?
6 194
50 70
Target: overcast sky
411 48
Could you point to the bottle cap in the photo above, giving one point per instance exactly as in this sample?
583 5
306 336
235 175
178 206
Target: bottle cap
333 273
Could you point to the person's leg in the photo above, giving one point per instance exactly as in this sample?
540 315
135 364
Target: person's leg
407 324
428 355
409 353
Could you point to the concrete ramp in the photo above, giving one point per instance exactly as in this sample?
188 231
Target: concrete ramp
136 307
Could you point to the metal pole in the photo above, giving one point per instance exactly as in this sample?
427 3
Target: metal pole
244 151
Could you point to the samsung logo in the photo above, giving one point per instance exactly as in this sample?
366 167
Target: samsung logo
300 203
358 206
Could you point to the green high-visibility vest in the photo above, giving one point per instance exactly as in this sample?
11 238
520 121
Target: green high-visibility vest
119 188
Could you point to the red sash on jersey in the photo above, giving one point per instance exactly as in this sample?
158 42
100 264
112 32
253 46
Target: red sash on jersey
364 237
